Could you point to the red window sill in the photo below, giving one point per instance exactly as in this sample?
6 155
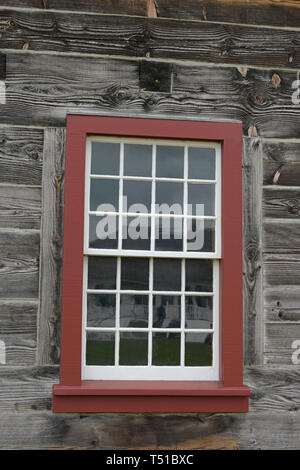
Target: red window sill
149 396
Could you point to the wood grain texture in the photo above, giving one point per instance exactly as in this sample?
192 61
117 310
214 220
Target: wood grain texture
282 304
19 264
281 270
281 151
26 388
51 246
112 87
258 12
252 251
148 37
18 325
282 236
42 430
21 155
281 203
288 174
20 207
279 341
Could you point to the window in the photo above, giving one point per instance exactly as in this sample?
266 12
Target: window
152 280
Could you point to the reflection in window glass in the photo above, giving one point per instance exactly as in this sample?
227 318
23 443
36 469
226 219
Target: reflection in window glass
167 274
101 310
201 163
100 349
133 349
198 349
198 275
169 161
198 312
104 231
201 198
135 274
166 349
102 272
166 311
137 160
105 158
134 311
104 191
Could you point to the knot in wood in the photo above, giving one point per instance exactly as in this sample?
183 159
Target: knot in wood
35 156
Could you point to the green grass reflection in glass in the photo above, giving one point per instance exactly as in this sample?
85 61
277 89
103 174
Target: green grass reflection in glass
133 349
100 349
166 349
198 349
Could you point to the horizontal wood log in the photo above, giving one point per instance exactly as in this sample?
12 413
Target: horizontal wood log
112 87
268 12
281 203
30 388
281 151
20 207
42 430
27 388
19 264
148 37
285 174
258 12
282 304
18 330
21 155
282 236
279 343
281 270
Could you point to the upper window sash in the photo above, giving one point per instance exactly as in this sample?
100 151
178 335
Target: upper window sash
154 219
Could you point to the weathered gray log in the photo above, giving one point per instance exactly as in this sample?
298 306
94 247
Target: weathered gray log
19 264
282 303
286 12
283 203
281 270
282 173
27 388
149 37
112 87
21 155
42 430
282 236
252 251
18 325
258 12
51 246
20 207
279 343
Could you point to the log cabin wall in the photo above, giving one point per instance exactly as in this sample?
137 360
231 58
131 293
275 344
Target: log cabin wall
218 60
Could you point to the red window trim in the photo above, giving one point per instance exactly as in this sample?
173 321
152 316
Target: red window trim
227 395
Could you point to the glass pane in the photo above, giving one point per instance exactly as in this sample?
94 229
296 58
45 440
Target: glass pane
134 311
102 272
200 235
198 349
133 349
166 349
168 234
137 160
166 311
201 199
105 158
137 196
169 161
104 232
100 349
104 195
201 163
167 274
136 233
198 312
169 198
135 274
101 310
199 275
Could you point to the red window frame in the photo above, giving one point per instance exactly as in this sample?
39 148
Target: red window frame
226 395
